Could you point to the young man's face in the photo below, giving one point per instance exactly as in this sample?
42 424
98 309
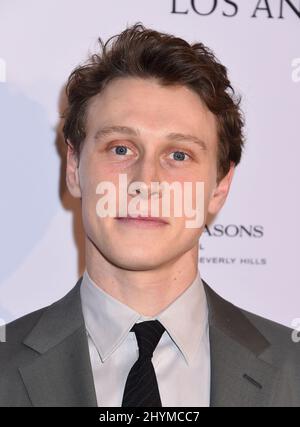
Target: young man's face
139 128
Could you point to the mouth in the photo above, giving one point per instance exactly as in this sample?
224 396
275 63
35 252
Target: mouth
142 221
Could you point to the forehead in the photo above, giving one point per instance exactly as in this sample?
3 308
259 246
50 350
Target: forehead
147 105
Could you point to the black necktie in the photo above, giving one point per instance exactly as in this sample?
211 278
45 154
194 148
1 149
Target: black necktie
141 388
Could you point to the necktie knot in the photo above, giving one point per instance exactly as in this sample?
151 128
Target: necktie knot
148 334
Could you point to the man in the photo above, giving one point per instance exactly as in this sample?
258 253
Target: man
141 328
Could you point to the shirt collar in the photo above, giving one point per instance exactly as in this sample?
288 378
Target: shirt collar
108 320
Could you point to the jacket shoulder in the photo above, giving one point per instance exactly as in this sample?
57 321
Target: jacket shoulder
259 334
17 330
277 334
27 337
12 349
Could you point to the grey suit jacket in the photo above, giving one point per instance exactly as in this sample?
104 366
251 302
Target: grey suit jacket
45 359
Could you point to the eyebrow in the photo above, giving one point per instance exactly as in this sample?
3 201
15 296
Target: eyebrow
126 130
187 138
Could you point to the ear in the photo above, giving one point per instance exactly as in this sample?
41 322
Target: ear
221 191
72 174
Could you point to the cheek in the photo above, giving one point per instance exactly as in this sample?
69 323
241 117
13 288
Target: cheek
92 173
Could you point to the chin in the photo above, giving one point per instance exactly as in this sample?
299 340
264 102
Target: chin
138 261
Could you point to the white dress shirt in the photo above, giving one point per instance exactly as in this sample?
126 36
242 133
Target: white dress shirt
181 359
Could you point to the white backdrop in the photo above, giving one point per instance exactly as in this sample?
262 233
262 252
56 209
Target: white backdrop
250 254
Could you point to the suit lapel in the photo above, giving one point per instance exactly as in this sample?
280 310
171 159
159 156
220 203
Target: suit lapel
241 375
60 372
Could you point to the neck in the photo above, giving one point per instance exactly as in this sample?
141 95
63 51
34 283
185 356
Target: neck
146 291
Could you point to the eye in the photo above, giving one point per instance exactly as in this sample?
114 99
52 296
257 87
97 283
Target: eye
179 155
121 150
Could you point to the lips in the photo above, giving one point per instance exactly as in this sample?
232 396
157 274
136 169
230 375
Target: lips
144 218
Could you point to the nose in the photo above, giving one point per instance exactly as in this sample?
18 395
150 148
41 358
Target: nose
145 179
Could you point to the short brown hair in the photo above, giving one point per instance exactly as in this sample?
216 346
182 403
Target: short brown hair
142 52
